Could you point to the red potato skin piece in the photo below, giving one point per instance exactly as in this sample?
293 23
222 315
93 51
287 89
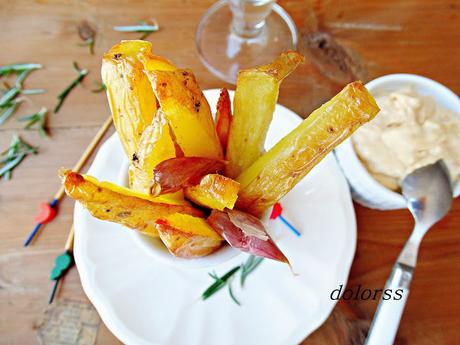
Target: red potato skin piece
174 174
235 236
223 117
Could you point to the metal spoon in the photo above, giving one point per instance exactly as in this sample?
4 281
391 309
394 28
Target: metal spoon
428 192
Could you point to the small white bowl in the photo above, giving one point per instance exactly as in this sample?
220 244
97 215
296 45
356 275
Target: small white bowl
365 189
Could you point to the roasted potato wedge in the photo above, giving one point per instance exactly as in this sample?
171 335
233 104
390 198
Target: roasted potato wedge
255 99
276 172
155 146
214 191
176 173
186 236
187 111
246 233
223 117
107 201
129 92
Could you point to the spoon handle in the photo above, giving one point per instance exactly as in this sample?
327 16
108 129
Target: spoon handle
386 319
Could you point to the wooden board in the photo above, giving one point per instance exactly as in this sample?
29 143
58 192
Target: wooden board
342 40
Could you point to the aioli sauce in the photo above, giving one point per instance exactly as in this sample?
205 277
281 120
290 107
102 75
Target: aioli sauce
409 132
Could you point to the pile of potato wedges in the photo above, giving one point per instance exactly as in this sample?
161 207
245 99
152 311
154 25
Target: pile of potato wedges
197 182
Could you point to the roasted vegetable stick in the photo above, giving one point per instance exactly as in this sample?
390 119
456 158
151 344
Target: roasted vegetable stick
277 171
107 201
187 111
186 236
155 146
223 118
245 232
214 191
176 173
255 99
131 99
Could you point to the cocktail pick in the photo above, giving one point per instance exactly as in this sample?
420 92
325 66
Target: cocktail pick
62 264
48 210
277 214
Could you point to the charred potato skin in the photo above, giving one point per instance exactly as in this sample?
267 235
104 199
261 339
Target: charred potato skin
278 171
255 98
120 207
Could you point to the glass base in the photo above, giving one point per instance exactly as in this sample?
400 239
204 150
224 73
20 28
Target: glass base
224 53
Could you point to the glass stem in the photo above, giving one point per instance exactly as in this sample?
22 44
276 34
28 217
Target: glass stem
249 16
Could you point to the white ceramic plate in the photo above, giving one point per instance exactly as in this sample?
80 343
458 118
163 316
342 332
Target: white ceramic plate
144 300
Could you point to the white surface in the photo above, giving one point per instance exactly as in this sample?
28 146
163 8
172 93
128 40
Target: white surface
365 189
144 300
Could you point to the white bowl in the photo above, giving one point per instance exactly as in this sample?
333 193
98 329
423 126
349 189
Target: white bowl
365 189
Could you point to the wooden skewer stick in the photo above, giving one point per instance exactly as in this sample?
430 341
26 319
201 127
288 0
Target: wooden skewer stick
63 263
50 208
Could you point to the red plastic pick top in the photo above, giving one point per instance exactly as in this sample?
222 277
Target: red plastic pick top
276 211
47 213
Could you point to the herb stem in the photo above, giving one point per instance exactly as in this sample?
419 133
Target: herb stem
219 283
62 96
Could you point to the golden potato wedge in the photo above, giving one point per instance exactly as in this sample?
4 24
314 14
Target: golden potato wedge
155 146
129 92
255 99
214 191
186 236
107 201
187 111
277 171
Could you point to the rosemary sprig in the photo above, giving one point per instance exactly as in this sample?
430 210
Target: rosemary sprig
10 101
18 68
100 87
89 42
219 282
9 109
250 265
62 96
88 35
37 118
14 155
144 27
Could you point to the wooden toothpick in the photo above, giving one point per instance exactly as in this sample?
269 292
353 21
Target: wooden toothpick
48 210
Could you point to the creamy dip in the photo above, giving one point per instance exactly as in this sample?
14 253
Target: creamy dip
409 132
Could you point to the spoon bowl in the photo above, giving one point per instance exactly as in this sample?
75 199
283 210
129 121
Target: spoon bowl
428 192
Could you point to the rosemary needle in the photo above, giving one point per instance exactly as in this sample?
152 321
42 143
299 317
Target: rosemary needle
219 283
144 27
62 96
18 67
14 155
37 118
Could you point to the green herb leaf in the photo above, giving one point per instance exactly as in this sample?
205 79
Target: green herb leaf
144 27
219 283
232 296
37 118
9 95
18 68
14 155
33 91
10 108
62 96
250 265
100 87
89 42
